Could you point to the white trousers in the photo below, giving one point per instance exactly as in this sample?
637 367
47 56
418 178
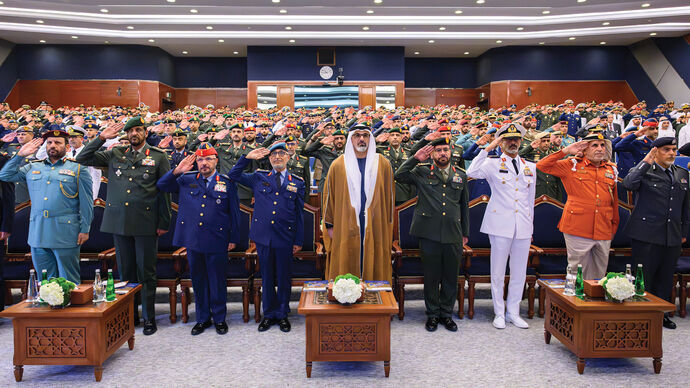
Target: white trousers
518 251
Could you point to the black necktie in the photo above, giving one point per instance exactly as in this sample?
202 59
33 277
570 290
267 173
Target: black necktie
670 174
278 179
515 165
205 182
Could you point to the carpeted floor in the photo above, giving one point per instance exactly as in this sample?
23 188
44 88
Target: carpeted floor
476 355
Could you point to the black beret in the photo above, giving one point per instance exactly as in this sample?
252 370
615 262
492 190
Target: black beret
664 141
440 141
685 149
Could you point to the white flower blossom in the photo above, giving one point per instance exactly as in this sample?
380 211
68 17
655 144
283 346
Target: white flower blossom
52 294
347 291
620 288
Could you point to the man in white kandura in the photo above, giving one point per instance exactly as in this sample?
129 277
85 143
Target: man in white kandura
508 218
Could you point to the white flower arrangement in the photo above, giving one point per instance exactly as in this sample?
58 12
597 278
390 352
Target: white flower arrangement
52 293
346 290
619 288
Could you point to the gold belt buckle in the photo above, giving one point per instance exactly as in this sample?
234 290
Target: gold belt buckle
45 213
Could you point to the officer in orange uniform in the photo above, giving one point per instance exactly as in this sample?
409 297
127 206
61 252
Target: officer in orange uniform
590 215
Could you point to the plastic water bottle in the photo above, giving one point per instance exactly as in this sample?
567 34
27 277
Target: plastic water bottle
628 274
639 281
97 287
110 287
579 282
569 288
32 288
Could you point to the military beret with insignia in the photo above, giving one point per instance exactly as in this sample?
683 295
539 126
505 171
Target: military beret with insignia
278 146
339 132
178 133
55 133
395 130
133 122
664 141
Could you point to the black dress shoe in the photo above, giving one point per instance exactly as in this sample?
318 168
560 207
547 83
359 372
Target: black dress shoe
431 324
668 323
284 325
265 324
200 327
150 327
221 328
449 324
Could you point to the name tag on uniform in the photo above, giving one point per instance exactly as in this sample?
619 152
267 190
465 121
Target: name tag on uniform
148 162
291 188
193 185
66 171
504 171
457 179
35 172
221 188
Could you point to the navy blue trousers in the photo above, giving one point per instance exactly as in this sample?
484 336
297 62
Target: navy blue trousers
209 274
276 271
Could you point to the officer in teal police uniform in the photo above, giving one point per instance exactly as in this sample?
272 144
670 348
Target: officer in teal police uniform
61 204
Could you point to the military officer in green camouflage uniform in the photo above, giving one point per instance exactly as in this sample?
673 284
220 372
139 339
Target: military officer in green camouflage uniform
396 155
441 221
136 213
538 149
326 149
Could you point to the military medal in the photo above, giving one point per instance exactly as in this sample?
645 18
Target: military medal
683 180
118 172
66 171
608 175
218 201
528 172
292 188
148 161
457 179
145 176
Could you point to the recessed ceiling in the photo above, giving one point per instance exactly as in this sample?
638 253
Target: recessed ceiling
455 27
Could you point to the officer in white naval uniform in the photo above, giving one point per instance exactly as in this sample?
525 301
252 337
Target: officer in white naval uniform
508 219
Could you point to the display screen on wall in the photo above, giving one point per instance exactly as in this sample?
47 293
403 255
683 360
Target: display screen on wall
385 96
266 96
311 97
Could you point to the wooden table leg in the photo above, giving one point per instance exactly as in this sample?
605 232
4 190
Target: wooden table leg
656 362
308 369
580 365
387 367
18 372
547 337
98 372
130 343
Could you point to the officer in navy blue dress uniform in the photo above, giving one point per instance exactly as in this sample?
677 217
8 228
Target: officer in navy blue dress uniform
661 217
207 225
637 146
277 227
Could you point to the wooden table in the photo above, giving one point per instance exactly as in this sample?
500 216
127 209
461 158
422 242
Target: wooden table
359 332
77 335
595 328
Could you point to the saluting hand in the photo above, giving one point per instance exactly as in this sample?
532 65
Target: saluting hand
185 165
165 142
258 153
328 140
281 131
382 137
649 158
423 153
111 131
30 148
432 136
575 148
640 131
221 134
202 137
493 144
9 137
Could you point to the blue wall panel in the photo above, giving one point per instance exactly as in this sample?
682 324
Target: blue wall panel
94 62
440 72
677 51
211 72
277 63
8 74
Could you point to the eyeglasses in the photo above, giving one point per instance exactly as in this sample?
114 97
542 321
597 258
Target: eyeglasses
278 154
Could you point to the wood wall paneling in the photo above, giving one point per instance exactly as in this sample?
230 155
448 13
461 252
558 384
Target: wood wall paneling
286 96
419 96
498 94
467 97
148 94
555 92
233 98
367 95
